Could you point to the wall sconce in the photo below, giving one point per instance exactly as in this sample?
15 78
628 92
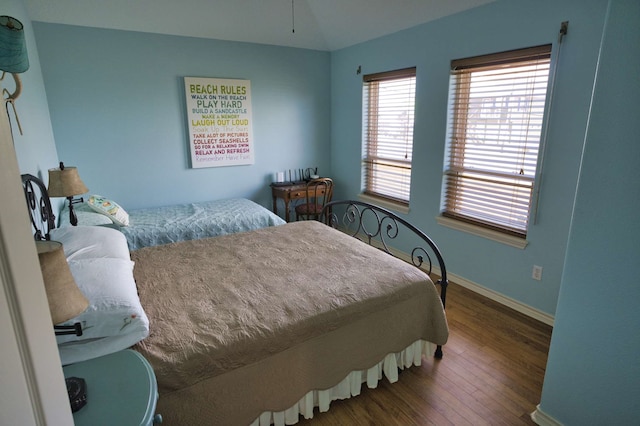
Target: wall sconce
13 58
66 301
66 182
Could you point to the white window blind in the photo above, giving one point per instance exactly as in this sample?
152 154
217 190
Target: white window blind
496 112
388 115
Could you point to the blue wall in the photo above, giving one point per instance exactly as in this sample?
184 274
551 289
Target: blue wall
35 148
499 26
118 111
117 107
593 371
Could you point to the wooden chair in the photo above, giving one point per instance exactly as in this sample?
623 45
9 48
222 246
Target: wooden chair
319 193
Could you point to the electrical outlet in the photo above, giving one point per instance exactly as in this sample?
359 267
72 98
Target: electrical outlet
537 273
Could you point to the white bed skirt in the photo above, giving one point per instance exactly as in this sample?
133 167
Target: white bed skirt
349 386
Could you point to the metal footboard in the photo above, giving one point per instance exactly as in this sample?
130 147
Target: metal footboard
387 231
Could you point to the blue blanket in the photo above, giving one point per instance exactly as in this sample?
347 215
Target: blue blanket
169 224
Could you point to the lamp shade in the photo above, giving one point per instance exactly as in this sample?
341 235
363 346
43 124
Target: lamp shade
13 47
66 301
65 182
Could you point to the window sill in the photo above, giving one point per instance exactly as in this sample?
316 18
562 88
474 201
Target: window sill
401 208
482 232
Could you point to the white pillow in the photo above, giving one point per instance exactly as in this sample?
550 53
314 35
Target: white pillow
109 208
86 242
114 306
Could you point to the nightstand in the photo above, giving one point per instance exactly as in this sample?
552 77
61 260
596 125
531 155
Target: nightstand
121 390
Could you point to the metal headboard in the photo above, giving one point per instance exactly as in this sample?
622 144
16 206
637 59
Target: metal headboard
42 222
39 205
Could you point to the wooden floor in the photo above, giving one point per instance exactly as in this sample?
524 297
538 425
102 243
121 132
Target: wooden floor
491 374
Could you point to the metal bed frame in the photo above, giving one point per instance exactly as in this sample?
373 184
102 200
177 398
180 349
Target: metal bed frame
380 227
43 220
369 223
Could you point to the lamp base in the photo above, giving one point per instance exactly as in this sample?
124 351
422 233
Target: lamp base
73 218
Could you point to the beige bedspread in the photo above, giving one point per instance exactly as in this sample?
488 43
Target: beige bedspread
231 314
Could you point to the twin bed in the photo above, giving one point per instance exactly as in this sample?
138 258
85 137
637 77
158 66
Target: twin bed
169 224
259 327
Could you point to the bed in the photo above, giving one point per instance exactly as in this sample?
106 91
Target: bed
168 224
261 327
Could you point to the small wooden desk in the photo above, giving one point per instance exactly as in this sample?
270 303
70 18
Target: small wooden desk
288 192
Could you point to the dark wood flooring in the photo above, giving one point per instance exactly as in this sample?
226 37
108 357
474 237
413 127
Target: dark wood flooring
491 374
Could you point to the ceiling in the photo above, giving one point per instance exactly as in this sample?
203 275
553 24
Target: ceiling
318 24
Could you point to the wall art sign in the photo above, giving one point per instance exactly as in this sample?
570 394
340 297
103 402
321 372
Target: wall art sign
220 123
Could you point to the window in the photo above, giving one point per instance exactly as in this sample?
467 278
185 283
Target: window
388 111
496 110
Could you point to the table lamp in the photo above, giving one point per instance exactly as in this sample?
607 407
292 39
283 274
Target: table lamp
66 301
66 182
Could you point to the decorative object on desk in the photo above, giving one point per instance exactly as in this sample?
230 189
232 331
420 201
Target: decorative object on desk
65 182
298 175
319 193
66 301
295 176
13 58
311 173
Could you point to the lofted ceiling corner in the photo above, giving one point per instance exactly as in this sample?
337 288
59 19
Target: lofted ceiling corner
319 24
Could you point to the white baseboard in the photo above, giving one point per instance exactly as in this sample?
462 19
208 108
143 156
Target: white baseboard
541 418
502 299
491 294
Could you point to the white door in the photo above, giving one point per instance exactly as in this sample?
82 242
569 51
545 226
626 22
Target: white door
32 389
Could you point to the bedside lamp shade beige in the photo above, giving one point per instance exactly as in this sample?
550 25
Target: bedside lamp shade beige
65 298
65 182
